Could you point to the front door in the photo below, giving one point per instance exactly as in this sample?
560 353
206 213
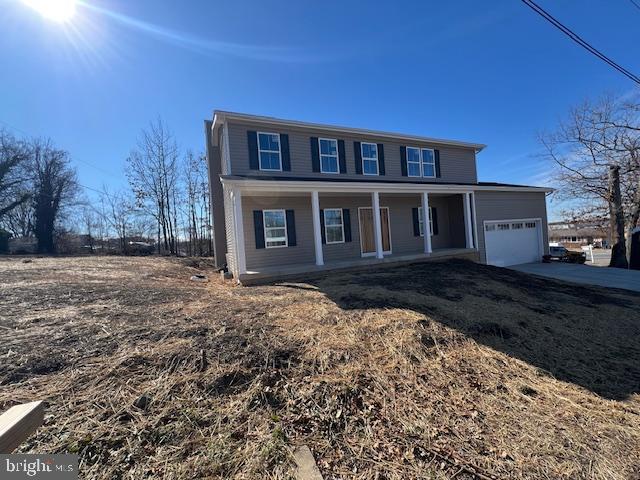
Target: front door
367 235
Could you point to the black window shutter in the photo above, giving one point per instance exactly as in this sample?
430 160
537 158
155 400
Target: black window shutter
252 140
416 222
357 155
291 228
381 170
324 240
346 220
436 154
284 149
434 220
403 161
342 159
315 155
258 226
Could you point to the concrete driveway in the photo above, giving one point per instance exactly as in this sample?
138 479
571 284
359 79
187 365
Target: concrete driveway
602 276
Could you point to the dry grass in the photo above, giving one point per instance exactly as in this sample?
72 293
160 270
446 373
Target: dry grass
438 370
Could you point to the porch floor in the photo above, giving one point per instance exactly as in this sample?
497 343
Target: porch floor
283 271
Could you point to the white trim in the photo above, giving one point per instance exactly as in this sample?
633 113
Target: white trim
317 235
430 219
220 117
539 225
337 155
426 223
419 162
241 259
467 220
324 213
370 159
474 219
264 228
373 254
269 151
305 186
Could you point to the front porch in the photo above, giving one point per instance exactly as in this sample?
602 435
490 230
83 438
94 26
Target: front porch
289 271
279 233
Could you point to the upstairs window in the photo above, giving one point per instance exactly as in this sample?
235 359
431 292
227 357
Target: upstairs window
275 228
333 225
328 155
421 223
269 151
413 162
428 162
369 158
421 162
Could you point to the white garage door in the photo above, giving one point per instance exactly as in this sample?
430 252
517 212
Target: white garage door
511 242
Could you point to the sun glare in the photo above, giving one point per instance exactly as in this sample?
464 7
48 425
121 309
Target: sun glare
57 10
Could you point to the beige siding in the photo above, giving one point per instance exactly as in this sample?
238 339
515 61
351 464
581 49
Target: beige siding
507 206
457 164
400 215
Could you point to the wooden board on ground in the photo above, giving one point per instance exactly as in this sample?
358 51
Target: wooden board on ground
306 464
18 423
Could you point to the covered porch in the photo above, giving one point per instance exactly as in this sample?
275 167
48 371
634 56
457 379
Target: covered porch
340 226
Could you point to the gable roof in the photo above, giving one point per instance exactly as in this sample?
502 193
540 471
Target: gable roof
221 116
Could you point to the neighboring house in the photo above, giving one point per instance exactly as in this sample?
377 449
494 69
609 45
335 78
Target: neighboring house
579 234
289 197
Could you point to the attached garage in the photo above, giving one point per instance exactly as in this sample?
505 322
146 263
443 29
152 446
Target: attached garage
512 242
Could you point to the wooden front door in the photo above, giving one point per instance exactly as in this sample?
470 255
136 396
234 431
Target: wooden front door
367 235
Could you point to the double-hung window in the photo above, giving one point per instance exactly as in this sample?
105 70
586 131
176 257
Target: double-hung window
275 228
421 222
328 155
269 151
413 162
333 225
369 158
421 162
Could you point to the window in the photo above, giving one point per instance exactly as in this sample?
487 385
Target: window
328 155
530 225
269 151
503 226
428 163
421 223
333 225
369 158
275 228
413 162
421 162
517 226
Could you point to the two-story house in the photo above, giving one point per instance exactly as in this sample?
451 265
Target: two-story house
290 197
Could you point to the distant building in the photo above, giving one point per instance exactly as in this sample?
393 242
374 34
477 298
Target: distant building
579 234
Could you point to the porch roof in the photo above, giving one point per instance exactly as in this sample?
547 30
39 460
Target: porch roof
254 183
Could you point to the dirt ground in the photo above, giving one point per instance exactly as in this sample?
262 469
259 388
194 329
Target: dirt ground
438 370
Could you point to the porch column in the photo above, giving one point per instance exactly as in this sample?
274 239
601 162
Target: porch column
317 234
426 226
239 227
467 220
377 223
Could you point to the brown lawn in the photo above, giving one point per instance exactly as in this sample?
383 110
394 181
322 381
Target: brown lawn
436 370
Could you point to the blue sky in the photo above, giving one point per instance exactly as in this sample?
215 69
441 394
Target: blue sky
488 72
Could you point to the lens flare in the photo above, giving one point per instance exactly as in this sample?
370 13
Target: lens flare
56 10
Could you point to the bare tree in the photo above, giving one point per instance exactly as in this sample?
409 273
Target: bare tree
55 187
14 174
197 205
595 137
119 214
153 173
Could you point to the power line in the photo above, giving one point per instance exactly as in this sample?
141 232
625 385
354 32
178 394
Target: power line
576 38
